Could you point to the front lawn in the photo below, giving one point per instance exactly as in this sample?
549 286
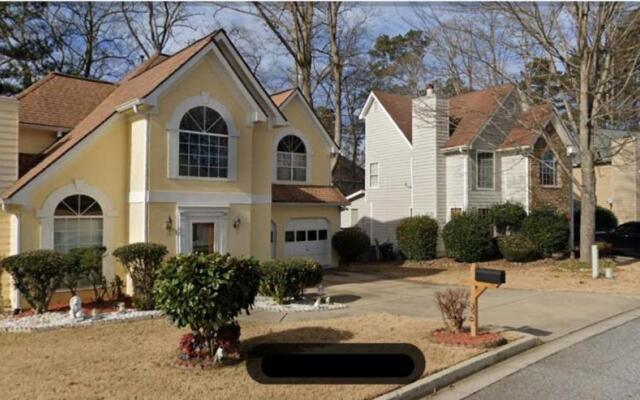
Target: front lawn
537 275
132 360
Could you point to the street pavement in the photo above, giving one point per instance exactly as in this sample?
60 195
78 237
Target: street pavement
547 315
606 366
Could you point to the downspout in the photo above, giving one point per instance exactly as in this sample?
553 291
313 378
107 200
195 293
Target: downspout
16 297
411 180
147 135
465 174
527 165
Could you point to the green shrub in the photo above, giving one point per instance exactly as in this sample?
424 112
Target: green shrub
606 220
350 244
467 237
206 292
548 229
37 275
285 279
417 237
507 217
518 248
142 261
86 263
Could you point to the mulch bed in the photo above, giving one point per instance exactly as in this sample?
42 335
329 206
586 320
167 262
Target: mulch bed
482 340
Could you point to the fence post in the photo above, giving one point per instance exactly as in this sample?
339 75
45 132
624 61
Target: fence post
595 262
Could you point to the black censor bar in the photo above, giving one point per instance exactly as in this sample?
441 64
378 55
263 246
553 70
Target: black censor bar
335 363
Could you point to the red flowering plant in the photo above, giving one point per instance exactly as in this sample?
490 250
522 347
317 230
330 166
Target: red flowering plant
193 346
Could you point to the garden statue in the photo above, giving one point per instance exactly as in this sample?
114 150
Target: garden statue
75 308
219 354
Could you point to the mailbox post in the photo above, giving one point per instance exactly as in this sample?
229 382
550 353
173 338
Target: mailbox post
481 280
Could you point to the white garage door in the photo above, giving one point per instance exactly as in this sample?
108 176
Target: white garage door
308 238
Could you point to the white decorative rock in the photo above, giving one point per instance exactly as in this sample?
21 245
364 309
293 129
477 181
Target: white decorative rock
75 308
327 300
122 307
219 354
318 302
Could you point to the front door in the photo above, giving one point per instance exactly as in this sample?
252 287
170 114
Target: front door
203 237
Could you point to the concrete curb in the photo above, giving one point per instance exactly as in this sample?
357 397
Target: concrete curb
446 377
475 383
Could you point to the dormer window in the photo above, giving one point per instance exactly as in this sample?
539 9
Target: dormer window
291 159
203 144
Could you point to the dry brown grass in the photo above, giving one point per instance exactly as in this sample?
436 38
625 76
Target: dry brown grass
538 275
131 360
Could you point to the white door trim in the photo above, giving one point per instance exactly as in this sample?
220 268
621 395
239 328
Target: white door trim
188 215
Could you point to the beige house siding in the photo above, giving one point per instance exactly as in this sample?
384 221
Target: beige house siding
618 183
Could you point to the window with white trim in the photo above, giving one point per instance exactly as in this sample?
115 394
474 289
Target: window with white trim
78 223
374 175
548 171
203 144
291 159
484 167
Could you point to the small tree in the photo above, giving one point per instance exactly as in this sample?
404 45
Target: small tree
417 237
142 261
86 263
206 291
453 304
350 244
37 275
507 217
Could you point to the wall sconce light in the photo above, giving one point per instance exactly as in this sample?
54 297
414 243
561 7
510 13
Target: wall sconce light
169 224
236 222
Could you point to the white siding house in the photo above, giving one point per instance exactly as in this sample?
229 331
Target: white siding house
437 156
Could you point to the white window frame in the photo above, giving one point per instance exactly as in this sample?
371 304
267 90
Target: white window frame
554 168
173 137
493 170
377 175
309 157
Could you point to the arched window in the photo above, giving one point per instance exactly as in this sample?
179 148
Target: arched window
77 223
203 144
548 174
292 159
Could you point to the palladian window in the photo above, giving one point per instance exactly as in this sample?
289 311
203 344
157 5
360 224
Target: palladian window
78 223
291 159
203 144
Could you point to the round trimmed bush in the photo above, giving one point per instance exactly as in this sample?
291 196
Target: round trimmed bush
518 248
206 292
287 279
37 275
142 261
507 216
350 243
548 229
467 238
417 237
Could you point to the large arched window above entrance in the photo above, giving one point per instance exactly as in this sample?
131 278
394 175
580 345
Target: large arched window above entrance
78 223
203 144
291 159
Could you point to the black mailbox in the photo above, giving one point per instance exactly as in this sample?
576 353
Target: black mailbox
486 275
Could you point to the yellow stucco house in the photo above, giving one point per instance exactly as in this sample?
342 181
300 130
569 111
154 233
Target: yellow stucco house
187 150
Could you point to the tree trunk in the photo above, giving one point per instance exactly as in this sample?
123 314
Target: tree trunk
336 69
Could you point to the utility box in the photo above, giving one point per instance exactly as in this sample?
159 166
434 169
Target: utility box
487 275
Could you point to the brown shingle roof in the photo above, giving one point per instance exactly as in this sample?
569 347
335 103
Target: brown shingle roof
151 62
137 87
280 97
307 194
472 110
61 101
399 108
526 130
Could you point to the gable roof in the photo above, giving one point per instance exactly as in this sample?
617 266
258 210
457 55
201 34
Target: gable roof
471 111
279 98
61 101
525 131
399 108
151 62
135 87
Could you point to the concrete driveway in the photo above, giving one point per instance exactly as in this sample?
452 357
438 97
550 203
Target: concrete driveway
544 314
